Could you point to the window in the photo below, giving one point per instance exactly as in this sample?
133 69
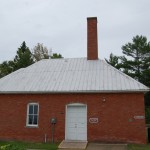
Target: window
32 114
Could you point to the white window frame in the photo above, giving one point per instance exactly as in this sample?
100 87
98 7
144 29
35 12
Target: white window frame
27 118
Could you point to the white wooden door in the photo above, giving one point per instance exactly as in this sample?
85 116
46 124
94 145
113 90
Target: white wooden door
76 122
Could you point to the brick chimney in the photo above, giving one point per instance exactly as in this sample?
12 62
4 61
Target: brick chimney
92 42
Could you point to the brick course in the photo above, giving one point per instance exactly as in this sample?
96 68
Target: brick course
116 116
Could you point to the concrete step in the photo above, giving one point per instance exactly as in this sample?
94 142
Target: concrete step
79 145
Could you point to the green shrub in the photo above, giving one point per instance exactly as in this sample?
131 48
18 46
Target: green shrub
11 147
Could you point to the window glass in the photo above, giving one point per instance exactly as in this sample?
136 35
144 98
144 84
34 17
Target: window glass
35 109
30 109
35 119
30 119
32 116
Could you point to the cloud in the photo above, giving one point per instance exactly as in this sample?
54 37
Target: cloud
61 25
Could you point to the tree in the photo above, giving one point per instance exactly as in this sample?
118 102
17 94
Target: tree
136 63
139 64
55 56
23 58
136 59
6 68
40 52
114 61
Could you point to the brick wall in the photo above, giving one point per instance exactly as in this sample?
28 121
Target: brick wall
116 116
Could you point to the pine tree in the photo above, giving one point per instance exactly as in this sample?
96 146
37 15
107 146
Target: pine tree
136 63
113 60
136 59
23 58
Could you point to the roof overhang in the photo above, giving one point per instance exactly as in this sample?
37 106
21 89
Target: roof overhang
69 92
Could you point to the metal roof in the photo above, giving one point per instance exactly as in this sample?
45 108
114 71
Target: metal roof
69 75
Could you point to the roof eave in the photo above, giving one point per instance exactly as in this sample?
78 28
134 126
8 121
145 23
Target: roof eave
75 91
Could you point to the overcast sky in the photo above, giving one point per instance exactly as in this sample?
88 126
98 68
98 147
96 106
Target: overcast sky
62 25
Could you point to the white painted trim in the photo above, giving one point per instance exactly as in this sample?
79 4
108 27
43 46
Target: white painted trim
74 104
29 125
66 122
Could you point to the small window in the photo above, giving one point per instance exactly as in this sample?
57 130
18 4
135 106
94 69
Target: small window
32 114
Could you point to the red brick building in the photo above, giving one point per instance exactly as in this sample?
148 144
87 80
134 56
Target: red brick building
86 98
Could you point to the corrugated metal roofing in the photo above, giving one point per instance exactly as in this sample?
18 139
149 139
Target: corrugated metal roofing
69 75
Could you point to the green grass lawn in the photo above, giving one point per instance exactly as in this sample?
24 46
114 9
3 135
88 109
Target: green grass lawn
25 145
138 147
50 146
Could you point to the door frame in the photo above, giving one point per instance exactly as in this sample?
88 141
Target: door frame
66 117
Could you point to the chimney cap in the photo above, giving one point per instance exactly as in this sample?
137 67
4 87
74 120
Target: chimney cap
89 18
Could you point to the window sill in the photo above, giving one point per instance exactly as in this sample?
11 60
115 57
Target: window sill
28 126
